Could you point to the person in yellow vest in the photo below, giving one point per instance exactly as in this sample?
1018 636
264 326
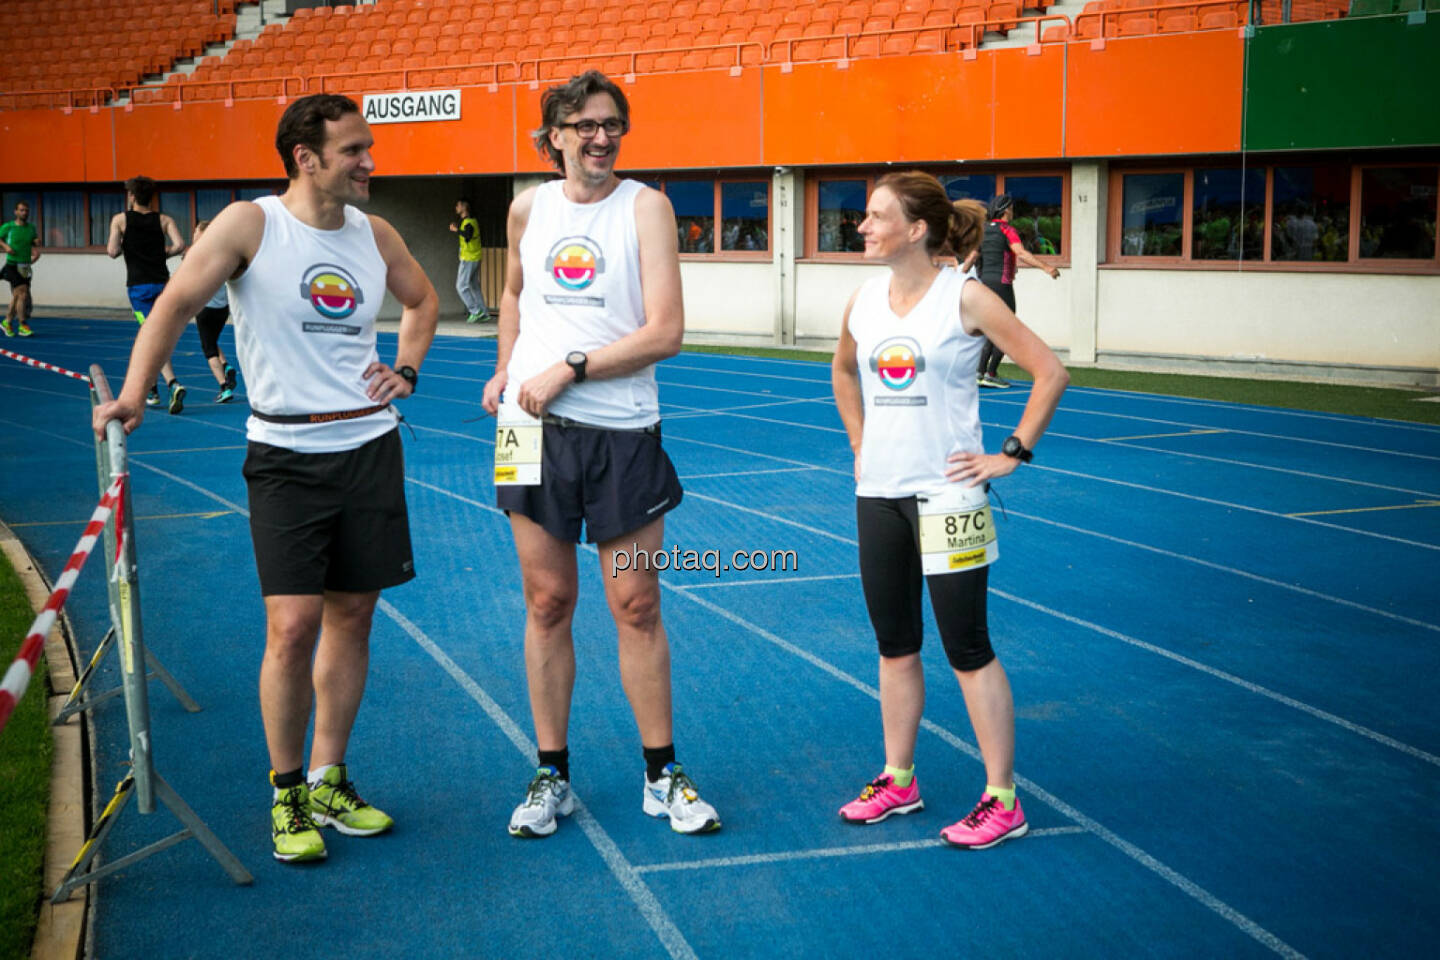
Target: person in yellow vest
467 281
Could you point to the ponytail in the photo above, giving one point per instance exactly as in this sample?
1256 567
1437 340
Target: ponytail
967 223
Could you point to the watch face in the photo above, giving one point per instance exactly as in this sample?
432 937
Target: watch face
1011 447
574 357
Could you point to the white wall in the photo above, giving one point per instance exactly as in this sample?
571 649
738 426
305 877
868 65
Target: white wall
731 299
1325 318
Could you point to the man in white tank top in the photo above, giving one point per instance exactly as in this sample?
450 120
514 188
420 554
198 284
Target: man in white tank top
305 273
592 301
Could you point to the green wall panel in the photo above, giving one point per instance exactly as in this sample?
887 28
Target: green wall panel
1366 82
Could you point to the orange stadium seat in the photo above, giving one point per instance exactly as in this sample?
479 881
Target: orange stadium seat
1178 22
1137 26
1219 19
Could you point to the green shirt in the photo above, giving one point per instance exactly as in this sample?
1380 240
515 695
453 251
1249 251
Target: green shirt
20 237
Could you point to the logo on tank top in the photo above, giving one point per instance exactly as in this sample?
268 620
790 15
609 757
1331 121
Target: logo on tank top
332 291
897 361
574 264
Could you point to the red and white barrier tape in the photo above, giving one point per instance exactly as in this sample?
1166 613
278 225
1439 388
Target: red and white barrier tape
17 678
43 365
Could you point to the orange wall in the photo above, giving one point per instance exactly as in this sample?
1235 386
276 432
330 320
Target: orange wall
1069 100
1181 93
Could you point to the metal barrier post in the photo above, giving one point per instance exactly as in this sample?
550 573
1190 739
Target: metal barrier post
146 784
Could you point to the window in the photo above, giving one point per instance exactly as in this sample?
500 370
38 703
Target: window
745 216
177 205
103 207
1036 214
970 186
255 193
1152 217
694 203
1228 214
210 202
64 218
841 208
1310 219
1397 213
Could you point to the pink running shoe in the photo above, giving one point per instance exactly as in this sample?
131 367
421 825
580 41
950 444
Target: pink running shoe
880 799
987 825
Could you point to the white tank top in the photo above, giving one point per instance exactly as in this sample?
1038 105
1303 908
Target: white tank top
304 313
917 381
581 291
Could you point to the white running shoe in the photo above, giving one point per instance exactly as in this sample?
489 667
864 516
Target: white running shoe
547 798
674 796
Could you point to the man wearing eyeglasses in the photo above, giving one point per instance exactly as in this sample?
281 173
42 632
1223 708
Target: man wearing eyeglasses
591 302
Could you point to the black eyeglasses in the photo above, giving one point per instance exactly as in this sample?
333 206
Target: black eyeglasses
587 129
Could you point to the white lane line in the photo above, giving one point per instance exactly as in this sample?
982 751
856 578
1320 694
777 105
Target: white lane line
1258 578
151 453
1284 437
620 867
1256 409
744 473
1246 464
1105 631
761 583
1291 702
698 412
1340 528
824 853
1187 886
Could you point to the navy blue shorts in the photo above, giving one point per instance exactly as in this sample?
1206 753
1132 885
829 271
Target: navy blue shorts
612 481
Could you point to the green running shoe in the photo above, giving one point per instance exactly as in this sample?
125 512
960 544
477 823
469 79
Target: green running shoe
294 832
334 803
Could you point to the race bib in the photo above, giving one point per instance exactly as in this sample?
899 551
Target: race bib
956 530
519 439
25 270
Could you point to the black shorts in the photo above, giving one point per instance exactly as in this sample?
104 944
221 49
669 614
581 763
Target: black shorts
1005 291
615 481
890 573
209 322
10 273
329 521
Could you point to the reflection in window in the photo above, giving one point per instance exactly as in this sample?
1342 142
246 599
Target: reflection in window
1036 213
694 203
1229 214
1310 219
64 218
978 186
103 207
1397 213
210 202
1153 214
744 216
842 207
177 206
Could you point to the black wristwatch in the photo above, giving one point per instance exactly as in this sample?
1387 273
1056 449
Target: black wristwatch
1012 447
576 359
409 375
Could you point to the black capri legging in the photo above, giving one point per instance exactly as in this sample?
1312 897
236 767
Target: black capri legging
890 574
209 322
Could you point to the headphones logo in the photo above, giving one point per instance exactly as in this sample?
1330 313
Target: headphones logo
575 262
897 362
331 290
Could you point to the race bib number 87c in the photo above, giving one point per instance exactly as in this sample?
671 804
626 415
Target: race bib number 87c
957 531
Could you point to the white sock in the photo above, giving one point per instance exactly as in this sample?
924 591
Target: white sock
316 775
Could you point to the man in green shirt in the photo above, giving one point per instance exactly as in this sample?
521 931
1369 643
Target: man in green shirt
467 281
18 240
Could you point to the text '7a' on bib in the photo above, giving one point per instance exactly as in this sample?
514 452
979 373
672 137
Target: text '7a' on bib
519 439
957 531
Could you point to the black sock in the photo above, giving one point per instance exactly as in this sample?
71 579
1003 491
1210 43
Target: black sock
559 759
283 781
656 758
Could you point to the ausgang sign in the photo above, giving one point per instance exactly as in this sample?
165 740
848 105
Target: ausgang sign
417 107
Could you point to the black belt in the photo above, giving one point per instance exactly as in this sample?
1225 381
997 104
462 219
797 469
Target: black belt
319 417
554 421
